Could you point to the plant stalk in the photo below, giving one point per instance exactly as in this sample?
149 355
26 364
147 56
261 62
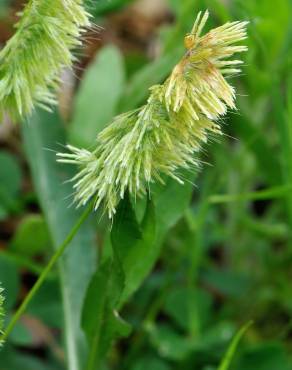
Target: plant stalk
21 309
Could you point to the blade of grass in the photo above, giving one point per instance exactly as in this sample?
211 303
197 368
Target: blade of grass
283 116
226 362
270 193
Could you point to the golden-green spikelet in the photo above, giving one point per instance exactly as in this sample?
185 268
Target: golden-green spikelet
161 137
32 59
197 81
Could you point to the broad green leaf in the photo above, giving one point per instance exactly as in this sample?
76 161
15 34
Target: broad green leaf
117 277
98 95
95 302
100 319
43 135
135 249
114 328
140 245
31 237
135 244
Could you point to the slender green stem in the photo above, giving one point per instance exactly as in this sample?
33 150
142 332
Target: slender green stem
60 250
226 362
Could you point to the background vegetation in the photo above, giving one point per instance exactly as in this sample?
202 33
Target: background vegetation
224 249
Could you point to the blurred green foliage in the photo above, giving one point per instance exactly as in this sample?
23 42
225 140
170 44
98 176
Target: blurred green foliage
223 251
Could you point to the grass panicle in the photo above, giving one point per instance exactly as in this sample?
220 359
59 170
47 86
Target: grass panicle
161 137
31 61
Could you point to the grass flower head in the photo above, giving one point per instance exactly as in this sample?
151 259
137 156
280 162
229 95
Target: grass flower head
32 59
162 136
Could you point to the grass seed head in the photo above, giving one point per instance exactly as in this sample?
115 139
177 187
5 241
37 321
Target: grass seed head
162 137
32 59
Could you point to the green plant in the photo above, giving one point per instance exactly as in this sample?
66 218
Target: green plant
136 149
141 146
170 279
31 61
